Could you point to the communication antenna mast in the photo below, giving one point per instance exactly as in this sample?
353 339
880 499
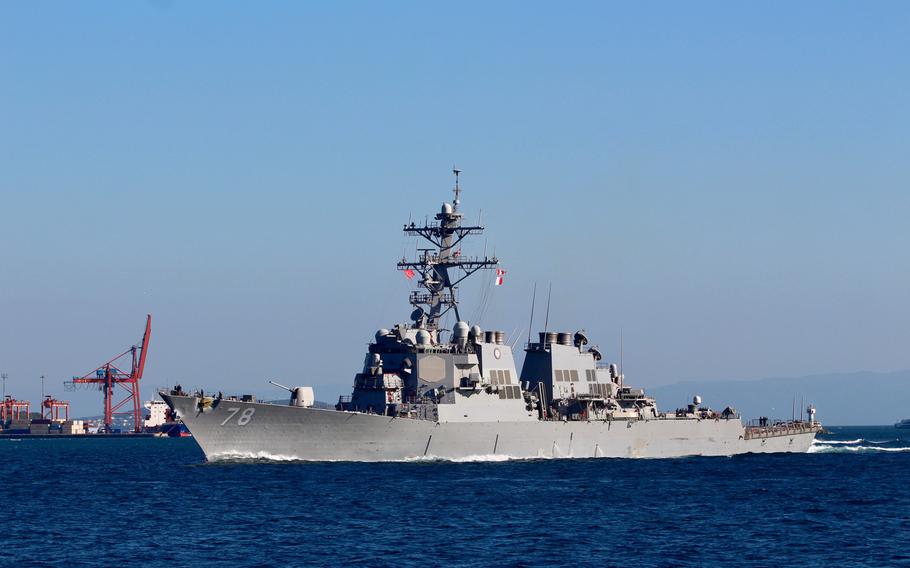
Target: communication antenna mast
4 376
546 321
442 268
457 189
621 377
533 301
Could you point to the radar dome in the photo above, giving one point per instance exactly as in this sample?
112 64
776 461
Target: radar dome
446 208
423 337
477 333
382 333
460 329
696 400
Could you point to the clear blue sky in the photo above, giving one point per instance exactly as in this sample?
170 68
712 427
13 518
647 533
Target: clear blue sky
727 182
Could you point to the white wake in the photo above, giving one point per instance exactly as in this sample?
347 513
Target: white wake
252 456
234 456
824 447
480 458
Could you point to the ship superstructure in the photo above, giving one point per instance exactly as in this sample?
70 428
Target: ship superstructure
429 391
414 370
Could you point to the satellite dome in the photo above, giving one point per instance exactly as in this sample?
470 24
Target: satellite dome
460 330
382 333
446 208
476 333
423 337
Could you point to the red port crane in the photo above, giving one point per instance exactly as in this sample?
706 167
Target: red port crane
12 409
51 407
109 377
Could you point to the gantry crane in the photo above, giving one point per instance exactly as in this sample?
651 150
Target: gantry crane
109 377
12 409
51 407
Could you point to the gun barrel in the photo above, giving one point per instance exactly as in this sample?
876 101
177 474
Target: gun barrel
282 386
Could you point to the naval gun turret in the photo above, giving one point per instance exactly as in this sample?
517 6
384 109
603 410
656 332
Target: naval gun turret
300 396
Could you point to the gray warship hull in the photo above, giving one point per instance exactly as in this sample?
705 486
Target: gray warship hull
234 429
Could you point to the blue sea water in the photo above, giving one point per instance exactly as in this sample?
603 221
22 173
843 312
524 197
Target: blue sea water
155 502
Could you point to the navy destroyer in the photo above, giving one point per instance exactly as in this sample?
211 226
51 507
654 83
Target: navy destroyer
426 392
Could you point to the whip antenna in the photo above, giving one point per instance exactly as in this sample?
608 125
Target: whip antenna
546 321
531 323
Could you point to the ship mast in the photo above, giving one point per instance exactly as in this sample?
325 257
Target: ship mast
442 268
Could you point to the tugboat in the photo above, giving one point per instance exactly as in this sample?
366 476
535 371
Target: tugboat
429 392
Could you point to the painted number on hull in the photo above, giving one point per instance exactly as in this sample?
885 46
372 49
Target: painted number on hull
244 418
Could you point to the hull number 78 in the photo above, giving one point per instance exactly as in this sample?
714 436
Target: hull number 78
244 417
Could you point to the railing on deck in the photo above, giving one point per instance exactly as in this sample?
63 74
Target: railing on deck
777 429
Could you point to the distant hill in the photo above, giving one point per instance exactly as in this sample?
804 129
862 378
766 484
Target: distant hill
861 398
